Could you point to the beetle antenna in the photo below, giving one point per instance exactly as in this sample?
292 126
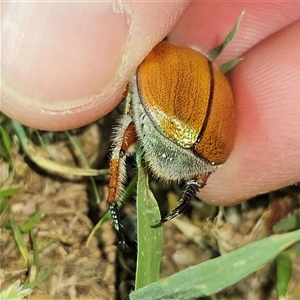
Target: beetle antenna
114 212
191 187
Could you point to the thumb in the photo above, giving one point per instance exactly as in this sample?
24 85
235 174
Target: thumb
65 65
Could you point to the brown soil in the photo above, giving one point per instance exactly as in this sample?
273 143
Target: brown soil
100 270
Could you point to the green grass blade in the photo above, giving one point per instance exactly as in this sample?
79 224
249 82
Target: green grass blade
35 250
215 52
128 191
8 192
42 143
31 222
40 278
46 163
104 218
289 223
5 144
77 146
19 239
3 203
226 67
284 273
149 237
216 274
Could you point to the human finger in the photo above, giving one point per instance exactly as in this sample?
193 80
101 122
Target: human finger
65 65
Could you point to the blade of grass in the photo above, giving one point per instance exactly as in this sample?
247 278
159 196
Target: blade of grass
104 218
35 250
31 222
19 239
47 164
8 192
5 138
215 52
42 143
3 203
149 237
40 278
284 273
7 182
216 274
129 190
5 151
73 139
289 223
226 67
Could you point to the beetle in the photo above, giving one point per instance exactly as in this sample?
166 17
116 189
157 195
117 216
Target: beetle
180 109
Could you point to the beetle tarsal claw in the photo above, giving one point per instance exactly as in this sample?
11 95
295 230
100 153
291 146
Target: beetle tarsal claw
190 189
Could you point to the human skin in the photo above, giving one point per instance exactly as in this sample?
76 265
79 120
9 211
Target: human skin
66 65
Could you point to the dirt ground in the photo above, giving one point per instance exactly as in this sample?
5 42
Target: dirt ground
100 270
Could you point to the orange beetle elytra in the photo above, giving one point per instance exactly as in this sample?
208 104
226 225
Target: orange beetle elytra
180 110
188 100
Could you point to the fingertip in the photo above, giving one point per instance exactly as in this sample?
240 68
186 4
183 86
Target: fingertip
75 59
266 152
205 24
53 61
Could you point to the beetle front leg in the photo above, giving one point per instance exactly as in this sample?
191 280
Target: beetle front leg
125 138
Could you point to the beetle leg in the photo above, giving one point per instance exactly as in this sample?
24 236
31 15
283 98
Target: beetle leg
123 146
191 187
